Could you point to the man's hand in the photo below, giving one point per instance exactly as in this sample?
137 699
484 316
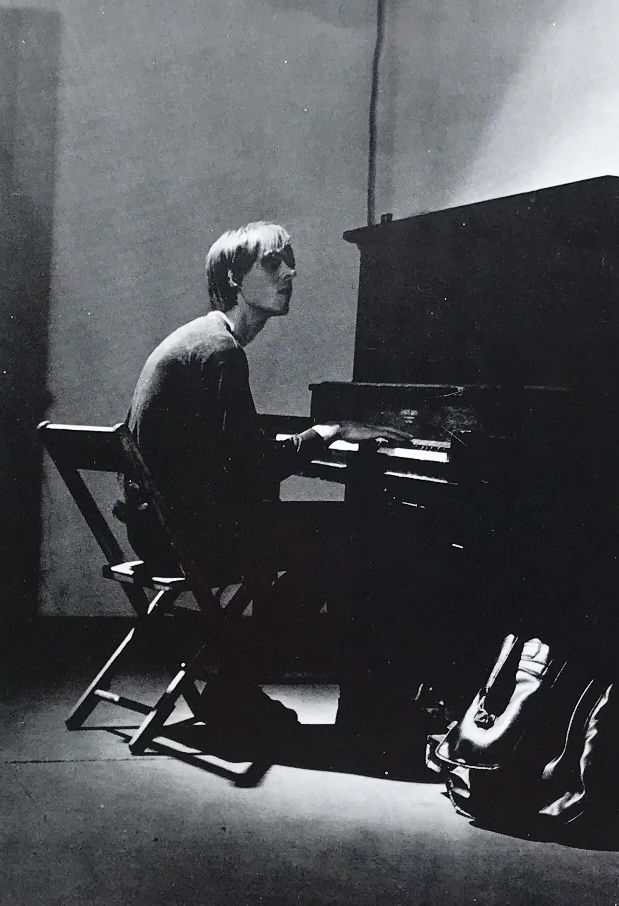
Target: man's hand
357 432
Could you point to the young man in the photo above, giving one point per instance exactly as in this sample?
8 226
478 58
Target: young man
195 422
192 411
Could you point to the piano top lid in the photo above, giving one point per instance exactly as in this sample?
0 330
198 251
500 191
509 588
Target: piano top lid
420 385
599 187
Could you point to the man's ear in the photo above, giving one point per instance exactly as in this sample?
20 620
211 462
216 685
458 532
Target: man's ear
231 281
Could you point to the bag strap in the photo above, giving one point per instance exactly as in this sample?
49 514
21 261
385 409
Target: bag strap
505 665
511 651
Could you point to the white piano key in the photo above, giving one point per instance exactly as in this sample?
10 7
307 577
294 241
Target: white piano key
431 451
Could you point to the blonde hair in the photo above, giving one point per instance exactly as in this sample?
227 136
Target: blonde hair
235 253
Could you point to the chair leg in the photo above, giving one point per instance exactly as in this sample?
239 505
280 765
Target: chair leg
191 695
181 685
261 584
89 700
148 624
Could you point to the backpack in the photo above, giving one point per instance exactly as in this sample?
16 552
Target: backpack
537 748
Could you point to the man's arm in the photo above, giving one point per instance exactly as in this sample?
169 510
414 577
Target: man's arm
251 451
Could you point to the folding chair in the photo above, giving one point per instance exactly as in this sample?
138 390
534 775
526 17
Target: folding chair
80 449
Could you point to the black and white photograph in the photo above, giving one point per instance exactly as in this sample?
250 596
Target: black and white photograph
309 364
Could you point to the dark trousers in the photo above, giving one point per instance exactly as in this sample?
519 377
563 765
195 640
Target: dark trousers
367 565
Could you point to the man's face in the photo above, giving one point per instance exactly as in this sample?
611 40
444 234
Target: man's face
268 285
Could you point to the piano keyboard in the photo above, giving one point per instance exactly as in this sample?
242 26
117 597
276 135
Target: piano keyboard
421 450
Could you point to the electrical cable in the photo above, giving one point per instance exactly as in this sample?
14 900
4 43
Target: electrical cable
372 125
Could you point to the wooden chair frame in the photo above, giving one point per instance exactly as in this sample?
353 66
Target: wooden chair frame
79 449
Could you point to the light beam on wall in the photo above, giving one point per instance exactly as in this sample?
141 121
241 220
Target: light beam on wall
557 123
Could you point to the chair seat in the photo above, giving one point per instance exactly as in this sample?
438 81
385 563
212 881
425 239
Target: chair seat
134 572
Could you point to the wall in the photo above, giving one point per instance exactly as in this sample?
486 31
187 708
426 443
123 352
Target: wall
488 99
29 50
176 121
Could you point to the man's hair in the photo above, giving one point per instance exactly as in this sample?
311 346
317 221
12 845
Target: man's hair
236 252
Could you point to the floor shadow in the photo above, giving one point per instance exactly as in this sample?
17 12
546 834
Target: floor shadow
320 747
602 838
251 776
312 747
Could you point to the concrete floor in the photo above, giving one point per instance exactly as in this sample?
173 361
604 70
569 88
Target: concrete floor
84 822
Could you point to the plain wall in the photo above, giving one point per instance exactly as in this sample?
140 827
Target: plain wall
176 121
484 99
29 60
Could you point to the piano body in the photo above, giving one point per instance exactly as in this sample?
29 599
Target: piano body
489 333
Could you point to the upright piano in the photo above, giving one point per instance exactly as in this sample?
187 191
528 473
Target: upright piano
490 334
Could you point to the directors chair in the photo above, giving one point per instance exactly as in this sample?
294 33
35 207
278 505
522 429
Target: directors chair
79 451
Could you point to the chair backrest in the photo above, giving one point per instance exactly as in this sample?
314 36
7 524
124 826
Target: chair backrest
84 446
75 449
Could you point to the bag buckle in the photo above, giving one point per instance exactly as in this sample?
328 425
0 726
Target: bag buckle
483 718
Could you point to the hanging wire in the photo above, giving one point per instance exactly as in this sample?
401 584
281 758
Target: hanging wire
378 52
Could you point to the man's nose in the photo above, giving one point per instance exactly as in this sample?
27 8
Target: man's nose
288 271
